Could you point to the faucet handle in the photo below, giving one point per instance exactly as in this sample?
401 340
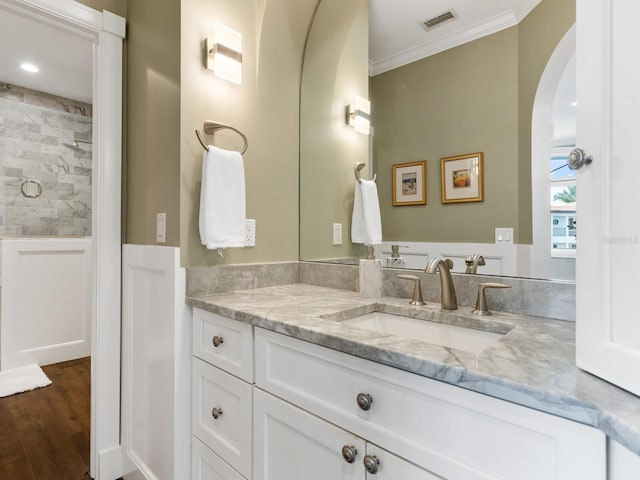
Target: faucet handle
482 307
417 289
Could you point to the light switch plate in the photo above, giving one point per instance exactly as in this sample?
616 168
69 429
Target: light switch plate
504 236
337 234
161 227
249 232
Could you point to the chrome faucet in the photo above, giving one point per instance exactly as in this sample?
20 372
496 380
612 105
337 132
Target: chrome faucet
473 262
447 290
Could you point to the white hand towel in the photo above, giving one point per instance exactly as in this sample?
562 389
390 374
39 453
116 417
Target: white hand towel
222 199
366 226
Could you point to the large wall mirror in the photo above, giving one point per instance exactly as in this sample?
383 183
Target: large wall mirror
494 77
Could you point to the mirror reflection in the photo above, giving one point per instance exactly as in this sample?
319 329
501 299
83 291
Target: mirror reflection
505 89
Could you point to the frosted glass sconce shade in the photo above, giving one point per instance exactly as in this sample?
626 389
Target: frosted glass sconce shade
224 54
358 115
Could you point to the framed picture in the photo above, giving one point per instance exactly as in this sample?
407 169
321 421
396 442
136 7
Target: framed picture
410 183
462 178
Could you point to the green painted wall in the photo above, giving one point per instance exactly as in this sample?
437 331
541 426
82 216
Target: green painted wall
540 33
475 97
463 100
169 93
152 161
265 107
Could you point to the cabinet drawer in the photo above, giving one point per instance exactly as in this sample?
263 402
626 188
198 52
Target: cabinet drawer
206 465
224 342
452 432
222 406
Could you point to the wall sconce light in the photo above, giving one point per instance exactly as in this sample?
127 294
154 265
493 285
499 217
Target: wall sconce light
224 53
358 115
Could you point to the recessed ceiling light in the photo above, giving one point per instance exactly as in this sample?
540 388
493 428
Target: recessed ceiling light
29 67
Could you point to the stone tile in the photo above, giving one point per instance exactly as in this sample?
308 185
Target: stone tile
344 277
227 278
33 128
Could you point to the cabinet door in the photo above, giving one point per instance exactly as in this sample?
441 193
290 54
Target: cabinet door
608 260
391 467
206 465
290 444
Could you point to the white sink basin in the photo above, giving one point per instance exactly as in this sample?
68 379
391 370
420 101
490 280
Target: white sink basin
461 338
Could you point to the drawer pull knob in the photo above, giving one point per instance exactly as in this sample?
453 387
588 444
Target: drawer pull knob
216 412
217 341
349 453
364 401
371 463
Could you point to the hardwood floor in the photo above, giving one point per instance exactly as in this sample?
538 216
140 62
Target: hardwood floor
44 434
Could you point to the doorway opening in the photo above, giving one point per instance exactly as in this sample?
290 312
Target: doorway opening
104 32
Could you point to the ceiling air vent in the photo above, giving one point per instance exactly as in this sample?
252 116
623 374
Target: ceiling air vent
439 19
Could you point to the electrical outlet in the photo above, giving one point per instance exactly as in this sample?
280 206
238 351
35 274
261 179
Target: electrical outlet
504 236
337 234
161 227
249 233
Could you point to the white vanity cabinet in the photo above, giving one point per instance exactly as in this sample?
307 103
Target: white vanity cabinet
222 392
444 430
316 413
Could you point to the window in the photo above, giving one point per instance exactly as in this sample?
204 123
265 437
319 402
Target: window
562 201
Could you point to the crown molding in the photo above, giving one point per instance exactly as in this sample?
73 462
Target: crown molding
468 34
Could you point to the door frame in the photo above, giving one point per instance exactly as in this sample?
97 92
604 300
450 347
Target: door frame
107 32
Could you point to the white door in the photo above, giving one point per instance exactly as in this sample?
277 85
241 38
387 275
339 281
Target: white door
608 224
290 444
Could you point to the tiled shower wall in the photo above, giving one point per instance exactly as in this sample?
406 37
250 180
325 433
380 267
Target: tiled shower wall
34 128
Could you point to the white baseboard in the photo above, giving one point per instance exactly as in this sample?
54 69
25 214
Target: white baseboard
110 463
135 475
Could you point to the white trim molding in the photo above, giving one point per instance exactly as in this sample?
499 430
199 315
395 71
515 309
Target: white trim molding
465 34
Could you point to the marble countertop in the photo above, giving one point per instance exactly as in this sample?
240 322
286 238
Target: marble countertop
532 365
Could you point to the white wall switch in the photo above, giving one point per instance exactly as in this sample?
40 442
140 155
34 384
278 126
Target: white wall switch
337 234
161 227
504 236
249 232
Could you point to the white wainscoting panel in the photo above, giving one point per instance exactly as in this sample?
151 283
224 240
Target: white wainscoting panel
507 259
46 300
156 342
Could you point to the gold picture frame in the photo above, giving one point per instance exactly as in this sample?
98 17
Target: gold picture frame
462 178
409 183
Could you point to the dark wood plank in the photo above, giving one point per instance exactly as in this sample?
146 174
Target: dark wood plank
13 461
44 434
